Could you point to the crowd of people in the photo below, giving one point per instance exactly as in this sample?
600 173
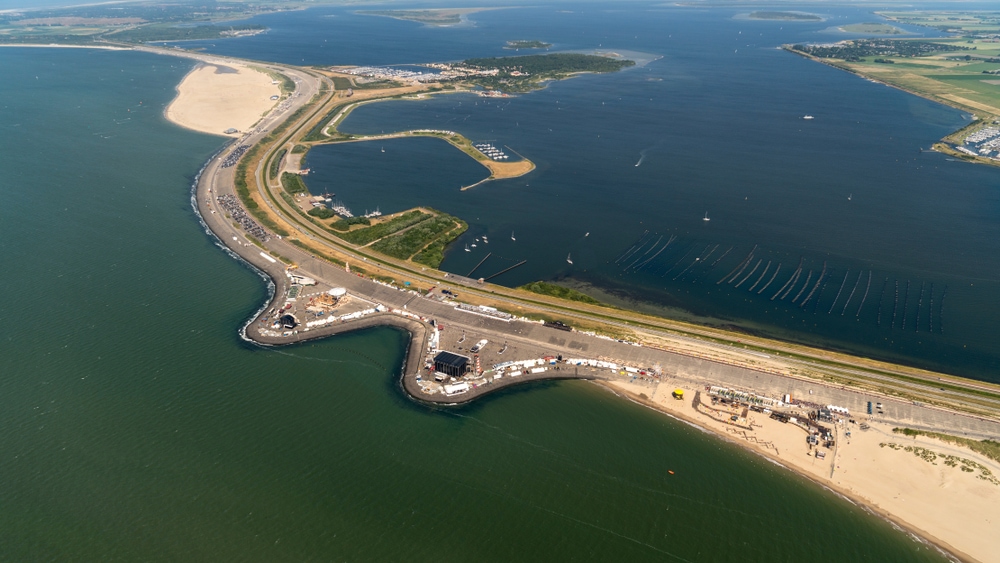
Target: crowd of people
235 210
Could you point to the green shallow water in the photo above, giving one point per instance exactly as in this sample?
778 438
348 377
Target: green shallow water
138 426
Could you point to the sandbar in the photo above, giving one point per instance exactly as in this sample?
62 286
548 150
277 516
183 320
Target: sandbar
214 98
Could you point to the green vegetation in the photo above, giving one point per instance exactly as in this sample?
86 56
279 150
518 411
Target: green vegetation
955 71
442 16
988 448
346 224
966 23
433 254
276 163
931 456
858 48
873 28
385 228
527 45
321 212
554 290
299 149
378 85
293 183
131 22
243 192
521 74
342 83
550 64
286 85
170 32
785 16
413 240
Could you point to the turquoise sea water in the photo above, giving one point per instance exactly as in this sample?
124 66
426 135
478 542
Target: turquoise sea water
138 426
896 244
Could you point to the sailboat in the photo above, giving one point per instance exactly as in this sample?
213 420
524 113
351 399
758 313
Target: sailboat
485 240
850 197
512 236
705 218
383 149
467 248
568 259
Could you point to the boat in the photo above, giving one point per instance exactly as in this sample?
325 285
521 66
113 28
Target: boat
568 259
705 218
850 197
383 149
473 245
808 117
587 235
512 236
467 248
485 240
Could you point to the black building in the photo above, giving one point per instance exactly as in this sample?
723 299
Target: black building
451 364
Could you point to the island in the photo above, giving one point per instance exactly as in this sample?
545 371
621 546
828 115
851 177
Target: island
785 16
96 24
440 17
959 71
528 72
515 45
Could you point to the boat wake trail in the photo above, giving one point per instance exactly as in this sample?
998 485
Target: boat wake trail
642 155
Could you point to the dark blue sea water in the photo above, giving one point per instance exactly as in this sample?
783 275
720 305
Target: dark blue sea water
711 124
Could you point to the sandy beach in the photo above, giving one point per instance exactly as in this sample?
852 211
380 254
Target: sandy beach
213 98
918 490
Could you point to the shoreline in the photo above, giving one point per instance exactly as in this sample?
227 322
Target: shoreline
847 494
941 145
274 270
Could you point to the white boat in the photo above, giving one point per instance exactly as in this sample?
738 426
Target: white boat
568 259
512 236
485 240
808 117
850 197
467 248
473 245
705 218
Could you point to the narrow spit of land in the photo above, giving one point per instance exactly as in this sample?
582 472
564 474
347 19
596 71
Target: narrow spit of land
648 357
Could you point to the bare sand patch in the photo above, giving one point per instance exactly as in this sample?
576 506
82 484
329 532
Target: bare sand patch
951 507
214 98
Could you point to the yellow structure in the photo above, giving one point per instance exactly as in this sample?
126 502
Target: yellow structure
678 393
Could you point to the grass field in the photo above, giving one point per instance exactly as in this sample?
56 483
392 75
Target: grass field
413 240
293 183
367 235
